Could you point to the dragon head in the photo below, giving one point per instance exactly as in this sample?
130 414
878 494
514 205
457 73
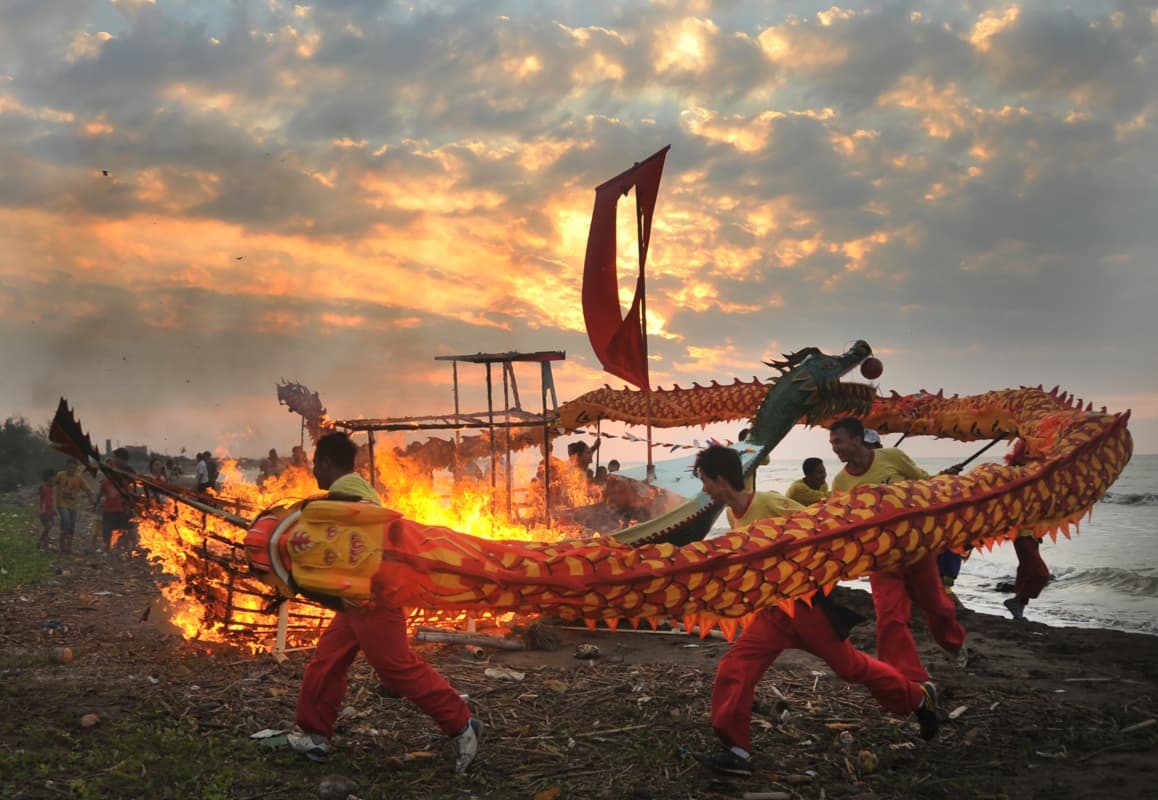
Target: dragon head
809 389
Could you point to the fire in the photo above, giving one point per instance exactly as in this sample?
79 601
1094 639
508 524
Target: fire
210 595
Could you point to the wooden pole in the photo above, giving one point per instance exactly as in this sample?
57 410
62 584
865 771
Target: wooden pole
643 326
424 634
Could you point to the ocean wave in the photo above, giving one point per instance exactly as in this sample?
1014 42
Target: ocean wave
1131 499
1142 584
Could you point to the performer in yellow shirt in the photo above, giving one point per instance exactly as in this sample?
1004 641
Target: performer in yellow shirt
819 627
895 591
886 465
378 631
813 487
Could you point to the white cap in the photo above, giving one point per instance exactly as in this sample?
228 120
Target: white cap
871 437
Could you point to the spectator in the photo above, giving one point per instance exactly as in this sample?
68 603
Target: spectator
212 469
69 485
47 507
202 472
271 467
111 497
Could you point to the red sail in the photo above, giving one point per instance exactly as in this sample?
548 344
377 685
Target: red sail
617 339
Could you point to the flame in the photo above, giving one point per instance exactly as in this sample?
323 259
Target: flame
210 596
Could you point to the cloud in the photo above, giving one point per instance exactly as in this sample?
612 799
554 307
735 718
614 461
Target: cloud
228 194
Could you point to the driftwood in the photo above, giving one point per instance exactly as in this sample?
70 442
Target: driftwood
428 634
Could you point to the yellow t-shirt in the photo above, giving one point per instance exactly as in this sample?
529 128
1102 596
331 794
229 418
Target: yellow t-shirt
764 505
354 484
68 489
804 494
889 465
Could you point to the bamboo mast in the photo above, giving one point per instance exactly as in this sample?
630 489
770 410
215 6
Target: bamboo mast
642 288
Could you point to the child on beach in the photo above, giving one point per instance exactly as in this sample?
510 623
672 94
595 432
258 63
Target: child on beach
69 485
47 505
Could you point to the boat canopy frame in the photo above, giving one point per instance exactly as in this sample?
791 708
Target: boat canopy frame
511 415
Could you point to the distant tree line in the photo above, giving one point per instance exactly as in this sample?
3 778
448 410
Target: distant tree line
24 454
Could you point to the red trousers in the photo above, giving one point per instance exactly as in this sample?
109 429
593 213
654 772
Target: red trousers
894 593
380 633
1032 573
771 633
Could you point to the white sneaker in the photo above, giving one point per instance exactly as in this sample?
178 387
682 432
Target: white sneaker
313 746
466 745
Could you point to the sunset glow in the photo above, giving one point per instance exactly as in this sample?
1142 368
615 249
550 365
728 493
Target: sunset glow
199 200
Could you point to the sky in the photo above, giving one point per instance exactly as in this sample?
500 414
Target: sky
200 199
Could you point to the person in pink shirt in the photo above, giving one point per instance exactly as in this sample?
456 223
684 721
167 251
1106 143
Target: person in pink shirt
114 510
47 506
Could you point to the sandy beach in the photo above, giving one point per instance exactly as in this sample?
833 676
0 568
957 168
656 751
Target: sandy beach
1039 713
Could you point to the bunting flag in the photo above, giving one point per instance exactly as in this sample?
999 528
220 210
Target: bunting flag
618 339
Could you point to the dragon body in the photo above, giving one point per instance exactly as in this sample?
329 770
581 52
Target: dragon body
1074 455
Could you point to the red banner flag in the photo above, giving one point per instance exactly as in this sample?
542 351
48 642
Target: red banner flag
618 340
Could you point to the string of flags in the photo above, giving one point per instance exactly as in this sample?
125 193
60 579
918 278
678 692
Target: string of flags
671 447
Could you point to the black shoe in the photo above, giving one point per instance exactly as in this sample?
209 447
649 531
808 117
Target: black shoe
927 711
1016 608
726 762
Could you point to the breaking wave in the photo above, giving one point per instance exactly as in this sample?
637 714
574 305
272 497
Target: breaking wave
1138 499
1143 584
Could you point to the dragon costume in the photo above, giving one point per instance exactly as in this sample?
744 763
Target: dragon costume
1075 453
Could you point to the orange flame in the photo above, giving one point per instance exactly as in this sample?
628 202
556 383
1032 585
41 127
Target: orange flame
214 599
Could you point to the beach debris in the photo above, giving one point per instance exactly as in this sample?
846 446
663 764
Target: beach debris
586 650
266 733
867 760
543 637
336 787
846 740
504 673
473 651
1140 726
842 726
958 711
428 633
407 757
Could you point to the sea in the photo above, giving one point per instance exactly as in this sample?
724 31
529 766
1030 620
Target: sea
1104 576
